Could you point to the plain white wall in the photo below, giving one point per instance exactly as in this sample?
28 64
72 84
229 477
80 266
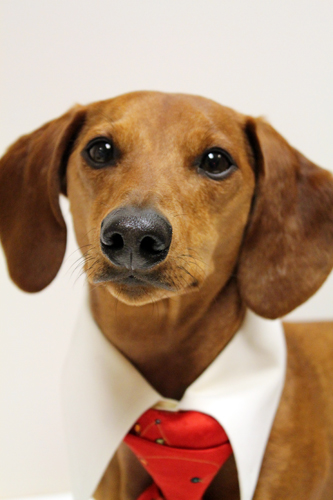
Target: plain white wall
263 58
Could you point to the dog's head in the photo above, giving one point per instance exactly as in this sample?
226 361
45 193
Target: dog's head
168 193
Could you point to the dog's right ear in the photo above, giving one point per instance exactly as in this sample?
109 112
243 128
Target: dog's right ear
32 228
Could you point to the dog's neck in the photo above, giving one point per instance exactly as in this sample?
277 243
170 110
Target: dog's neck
170 342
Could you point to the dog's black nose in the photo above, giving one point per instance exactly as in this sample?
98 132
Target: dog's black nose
135 238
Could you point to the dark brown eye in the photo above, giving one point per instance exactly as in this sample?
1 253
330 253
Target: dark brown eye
217 164
99 152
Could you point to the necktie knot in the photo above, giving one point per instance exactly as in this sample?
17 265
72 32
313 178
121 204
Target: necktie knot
182 451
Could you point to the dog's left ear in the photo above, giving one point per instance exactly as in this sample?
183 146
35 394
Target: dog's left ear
288 246
32 228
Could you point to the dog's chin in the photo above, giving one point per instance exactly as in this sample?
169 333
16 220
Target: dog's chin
136 294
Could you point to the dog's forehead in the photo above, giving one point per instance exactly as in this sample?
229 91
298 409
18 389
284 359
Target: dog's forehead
155 112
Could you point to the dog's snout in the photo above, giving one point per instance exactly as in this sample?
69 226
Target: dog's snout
135 238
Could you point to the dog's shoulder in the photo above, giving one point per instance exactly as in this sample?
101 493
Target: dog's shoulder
319 328
305 413
309 379
310 349
314 339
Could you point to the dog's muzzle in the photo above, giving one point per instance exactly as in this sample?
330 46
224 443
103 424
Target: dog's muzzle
135 238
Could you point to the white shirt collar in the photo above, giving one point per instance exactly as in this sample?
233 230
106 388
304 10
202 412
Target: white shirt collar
103 395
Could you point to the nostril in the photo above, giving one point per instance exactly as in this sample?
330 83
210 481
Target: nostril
115 241
151 245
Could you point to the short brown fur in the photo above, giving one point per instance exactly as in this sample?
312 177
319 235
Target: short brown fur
261 238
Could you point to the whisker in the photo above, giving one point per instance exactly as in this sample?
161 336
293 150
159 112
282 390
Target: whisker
82 258
78 277
193 261
182 214
80 265
85 271
192 257
76 250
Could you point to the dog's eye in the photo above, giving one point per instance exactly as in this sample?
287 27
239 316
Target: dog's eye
99 152
217 164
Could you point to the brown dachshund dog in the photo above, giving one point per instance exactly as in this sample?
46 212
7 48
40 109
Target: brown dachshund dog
237 219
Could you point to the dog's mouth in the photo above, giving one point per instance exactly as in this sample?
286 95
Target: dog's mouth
136 288
134 279
131 280
173 276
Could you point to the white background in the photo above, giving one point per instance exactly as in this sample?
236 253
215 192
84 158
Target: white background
271 58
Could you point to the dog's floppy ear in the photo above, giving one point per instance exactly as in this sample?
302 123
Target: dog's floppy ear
32 228
288 247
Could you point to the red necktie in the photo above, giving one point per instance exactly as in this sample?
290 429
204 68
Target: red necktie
182 451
